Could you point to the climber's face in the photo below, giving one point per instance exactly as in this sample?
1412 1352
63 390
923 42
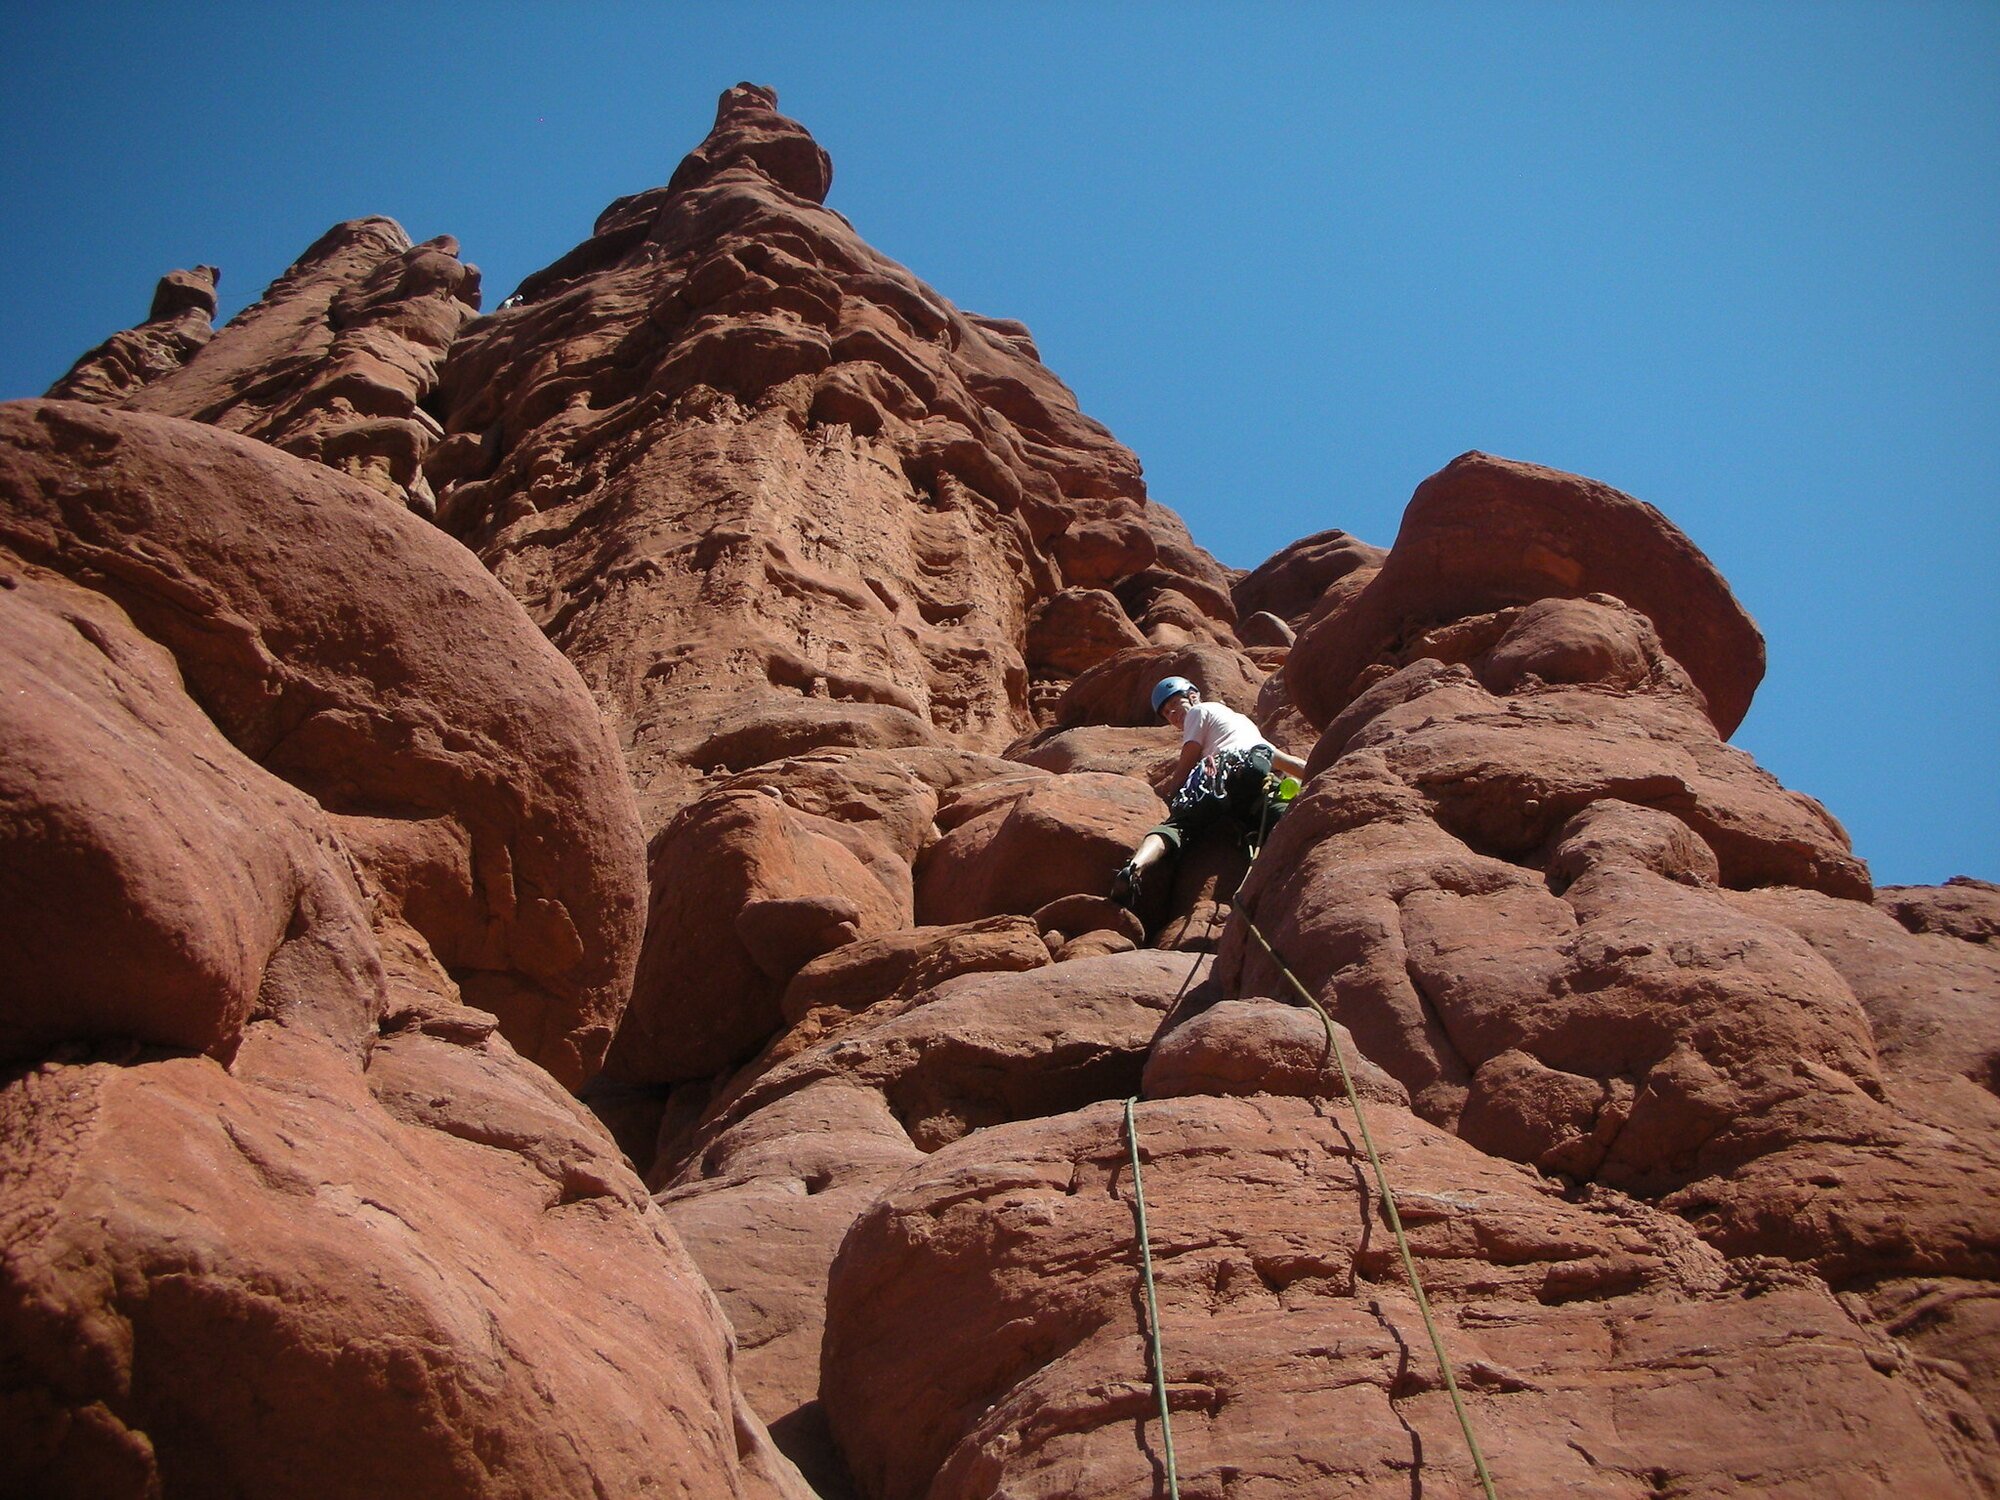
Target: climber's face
1174 710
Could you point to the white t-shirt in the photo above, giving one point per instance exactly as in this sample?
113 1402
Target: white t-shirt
1216 727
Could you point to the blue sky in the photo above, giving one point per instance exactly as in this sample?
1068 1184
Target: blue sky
1741 260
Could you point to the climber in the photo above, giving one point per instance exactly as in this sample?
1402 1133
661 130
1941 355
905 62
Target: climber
1225 769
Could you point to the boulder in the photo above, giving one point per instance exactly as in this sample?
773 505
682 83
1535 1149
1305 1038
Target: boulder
1293 1356
746 891
1074 630
456 1264
346 648
289 779
1058 836
1119 690
1485 533
1962 907
1287 585
1146 753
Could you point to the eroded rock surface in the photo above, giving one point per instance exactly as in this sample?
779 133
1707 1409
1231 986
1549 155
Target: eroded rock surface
1295 1361
333 363
323 884
734 461
288 781
177 326
1587 934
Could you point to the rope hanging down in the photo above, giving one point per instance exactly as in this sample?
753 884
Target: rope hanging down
1388 1207
1152 1306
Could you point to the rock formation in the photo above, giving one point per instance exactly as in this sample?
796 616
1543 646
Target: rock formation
772 493
292 793
179 324
334 363
330 881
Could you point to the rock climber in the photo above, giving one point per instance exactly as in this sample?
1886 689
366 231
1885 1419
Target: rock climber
1224 768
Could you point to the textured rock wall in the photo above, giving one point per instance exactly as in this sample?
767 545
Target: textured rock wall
770 492
334 362
324 879
291 792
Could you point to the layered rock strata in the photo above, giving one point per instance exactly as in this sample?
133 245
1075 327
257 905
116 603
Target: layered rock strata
772 493
177 327
335 362
324 882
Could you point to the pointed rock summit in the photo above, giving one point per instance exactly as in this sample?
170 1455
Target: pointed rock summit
755 770
332 363
749 132
176 329
770 491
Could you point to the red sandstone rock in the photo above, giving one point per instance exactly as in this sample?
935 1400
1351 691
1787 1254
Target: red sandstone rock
763 1217
989 1046
732 919
1294 1360
348 649
1147 753
1929 997
1289 583
1962 907
150 876
903 963
817 542
1056 836
1484 533
749 132
175 330
279 758
462 1271
1073 631
774 1178
1614 1016
1119 690
1238 1047
1266 629
330 364
728 456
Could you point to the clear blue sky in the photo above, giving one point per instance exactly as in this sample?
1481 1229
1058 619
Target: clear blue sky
1741 260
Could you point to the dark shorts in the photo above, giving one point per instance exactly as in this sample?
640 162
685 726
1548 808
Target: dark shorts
1235 789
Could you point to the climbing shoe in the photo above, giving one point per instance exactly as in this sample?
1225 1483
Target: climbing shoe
1125 885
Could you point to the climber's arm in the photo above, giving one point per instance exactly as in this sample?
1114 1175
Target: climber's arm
1176 778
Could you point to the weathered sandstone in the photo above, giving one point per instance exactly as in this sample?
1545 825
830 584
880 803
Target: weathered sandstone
333 363
736 462
287 781
758 774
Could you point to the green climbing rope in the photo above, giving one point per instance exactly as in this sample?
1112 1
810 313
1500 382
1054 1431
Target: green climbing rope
1152 1306
1381 1185
1388 1203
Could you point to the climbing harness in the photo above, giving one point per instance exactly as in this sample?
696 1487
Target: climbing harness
1388 1199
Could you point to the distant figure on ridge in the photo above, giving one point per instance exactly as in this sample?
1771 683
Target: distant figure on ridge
1224 770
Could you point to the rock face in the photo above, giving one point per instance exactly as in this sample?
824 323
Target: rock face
1295 1361
735 462
291 790
175 330
323 875
330 364
356 654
